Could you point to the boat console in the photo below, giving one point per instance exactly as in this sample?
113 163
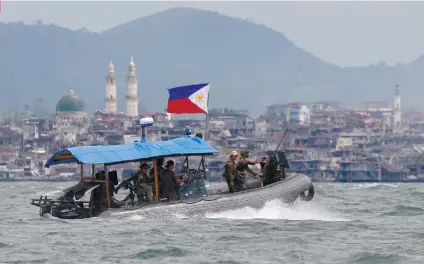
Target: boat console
195 186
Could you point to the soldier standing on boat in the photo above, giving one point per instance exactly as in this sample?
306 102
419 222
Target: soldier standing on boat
231 172
262 174
243 163
263 162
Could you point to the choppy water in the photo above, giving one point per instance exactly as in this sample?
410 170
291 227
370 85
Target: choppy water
345 223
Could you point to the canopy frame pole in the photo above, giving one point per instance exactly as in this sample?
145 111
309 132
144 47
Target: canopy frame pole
92 192
107 186
82 171
203 167
184 165
200 164
155 170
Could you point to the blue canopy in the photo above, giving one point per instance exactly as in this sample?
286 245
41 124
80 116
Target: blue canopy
113 154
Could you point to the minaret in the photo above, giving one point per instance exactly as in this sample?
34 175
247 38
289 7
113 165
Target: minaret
132 94
110 99
397 114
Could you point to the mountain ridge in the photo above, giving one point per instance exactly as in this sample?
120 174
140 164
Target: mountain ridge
247 63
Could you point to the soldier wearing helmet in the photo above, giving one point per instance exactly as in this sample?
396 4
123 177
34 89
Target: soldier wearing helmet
243 163
231 172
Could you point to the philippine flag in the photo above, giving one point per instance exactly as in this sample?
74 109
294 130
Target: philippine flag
190 99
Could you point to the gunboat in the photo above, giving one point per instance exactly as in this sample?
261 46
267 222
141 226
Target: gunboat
193 197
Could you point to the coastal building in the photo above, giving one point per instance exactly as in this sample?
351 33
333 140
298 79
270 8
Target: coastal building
300 114
325 106
261 127
388 117
293 112
110 98
70 117
237 122
132 92
385 115
276 110
11 141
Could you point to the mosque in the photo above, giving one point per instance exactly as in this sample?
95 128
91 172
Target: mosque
71 115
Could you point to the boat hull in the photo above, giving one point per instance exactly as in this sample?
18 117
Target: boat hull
287 190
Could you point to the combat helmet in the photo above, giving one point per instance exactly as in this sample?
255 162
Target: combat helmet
244 153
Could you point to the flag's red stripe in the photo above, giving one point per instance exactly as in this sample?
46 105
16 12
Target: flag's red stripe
183 106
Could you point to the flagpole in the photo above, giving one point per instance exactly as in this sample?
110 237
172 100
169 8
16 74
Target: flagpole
206 126
206 117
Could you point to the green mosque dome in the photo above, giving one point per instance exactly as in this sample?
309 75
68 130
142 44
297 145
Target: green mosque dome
70 103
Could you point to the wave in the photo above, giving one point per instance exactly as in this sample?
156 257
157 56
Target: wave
369 257
417 195
373 185
405 210
135 217
277 210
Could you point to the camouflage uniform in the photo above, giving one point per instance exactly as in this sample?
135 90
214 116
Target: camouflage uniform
263 162
243 163
262 174
230 174
143 182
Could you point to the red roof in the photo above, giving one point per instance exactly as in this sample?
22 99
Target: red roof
152 114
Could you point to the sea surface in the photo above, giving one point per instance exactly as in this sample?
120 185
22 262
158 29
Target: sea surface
345 223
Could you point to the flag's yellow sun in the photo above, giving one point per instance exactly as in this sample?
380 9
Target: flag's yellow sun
199 98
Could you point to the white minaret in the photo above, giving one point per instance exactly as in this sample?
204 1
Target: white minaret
110 99
397 114
132 94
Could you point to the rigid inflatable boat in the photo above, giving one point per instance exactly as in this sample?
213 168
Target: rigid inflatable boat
192 197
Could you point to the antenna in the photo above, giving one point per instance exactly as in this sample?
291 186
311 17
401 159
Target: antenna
145 122
299 90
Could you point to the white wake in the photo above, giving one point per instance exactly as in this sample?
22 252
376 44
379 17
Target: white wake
373 185
277 210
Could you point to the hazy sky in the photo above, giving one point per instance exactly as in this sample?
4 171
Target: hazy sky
344 33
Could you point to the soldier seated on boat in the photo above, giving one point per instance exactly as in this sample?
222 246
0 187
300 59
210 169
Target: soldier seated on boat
143 187
169 182
231 172
243 163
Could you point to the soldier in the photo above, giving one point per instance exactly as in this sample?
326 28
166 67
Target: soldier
169 182
243 163
263 162
231 172
144 187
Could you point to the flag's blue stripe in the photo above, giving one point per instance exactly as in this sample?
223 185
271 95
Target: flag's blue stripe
182 92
